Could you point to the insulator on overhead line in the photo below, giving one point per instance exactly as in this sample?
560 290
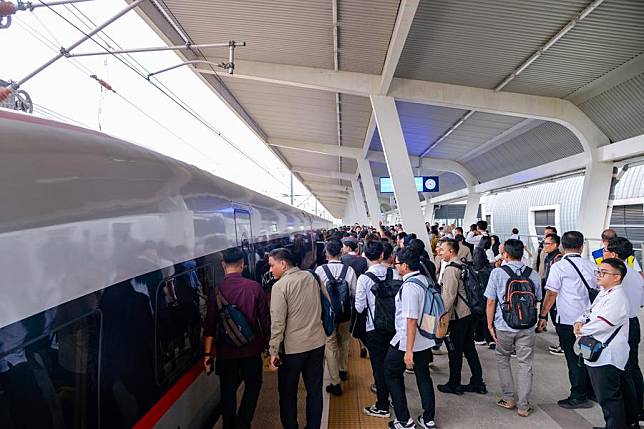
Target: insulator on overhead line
6 10
103 83
5 93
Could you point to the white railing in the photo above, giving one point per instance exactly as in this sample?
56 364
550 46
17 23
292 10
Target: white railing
590 244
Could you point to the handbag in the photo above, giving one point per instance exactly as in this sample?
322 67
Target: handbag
589 348
358 326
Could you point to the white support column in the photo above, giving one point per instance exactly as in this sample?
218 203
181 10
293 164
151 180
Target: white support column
402 177
349 217
370 192
429 209
591 219
471 209
361 212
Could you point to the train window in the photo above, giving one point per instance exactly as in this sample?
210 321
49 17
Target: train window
181 304
50 380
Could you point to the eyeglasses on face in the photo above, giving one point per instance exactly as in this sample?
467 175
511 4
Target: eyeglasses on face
602 273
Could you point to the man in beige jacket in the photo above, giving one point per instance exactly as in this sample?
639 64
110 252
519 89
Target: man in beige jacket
461 326
297 338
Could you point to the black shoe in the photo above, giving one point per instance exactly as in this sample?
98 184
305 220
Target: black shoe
363 353
344 376
573 404
474 388
448 388
334 389
492 345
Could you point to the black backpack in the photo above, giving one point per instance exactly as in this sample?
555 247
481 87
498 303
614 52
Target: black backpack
338 290
519 308
474 283
385 291
358 263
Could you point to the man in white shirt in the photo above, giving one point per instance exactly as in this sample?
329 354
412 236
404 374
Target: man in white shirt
408 348
376 340
481 230
633 285
336 353
570 283
607 321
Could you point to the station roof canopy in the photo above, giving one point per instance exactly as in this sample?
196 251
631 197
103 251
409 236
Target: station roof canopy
484 89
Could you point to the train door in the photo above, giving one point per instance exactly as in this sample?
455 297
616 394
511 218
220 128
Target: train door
243 232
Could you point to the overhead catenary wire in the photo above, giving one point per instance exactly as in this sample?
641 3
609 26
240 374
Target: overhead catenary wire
181 105
57 115
89 73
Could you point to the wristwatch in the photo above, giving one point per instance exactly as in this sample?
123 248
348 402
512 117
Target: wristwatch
543 317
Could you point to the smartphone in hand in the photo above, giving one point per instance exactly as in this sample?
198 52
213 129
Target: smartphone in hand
211 365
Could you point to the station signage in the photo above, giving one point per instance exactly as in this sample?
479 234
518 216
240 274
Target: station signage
423 184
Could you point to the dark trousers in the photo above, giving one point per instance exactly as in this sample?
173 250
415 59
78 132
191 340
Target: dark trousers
395 378
614 395
461 334
232 372
378 344
577 373
481 332
311 365
633 370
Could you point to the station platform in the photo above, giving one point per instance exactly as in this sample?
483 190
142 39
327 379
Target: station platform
467 411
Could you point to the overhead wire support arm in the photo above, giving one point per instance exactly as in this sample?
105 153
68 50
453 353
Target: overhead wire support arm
230 65
222 65
7 9
13 86
65 51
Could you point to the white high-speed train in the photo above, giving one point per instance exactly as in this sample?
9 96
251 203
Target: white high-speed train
108 252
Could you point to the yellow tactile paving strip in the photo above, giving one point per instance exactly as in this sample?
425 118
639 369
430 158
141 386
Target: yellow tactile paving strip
346 411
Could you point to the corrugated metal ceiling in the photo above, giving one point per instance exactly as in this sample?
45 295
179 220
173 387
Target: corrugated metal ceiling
478 43
619 112
285 32
610 36
288 112
355 119
364 33
478 129
422 125
545 143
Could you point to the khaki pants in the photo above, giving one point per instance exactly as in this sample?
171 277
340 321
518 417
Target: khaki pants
337 351
523 343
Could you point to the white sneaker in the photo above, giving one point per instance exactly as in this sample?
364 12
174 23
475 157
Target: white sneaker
395 424
480 343
374 411
426 424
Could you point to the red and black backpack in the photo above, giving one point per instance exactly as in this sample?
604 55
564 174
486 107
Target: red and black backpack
519 309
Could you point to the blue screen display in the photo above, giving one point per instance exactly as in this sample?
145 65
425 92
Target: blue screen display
423 184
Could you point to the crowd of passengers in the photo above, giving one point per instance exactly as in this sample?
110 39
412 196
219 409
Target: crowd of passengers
593 305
